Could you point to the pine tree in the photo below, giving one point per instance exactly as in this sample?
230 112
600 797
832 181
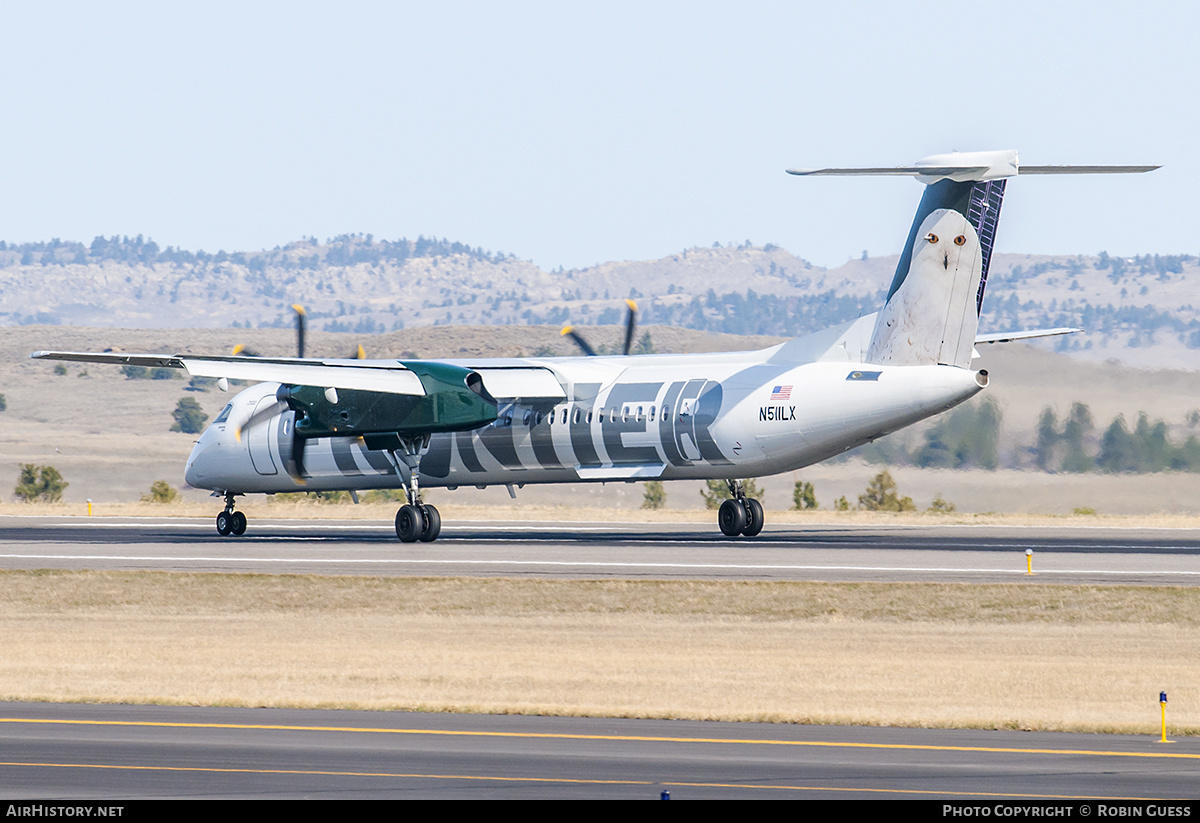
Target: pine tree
654 497
1047 439
882 496
803 496
1075 431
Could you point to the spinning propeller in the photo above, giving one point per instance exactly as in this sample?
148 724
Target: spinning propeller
630 329
359 352
269 411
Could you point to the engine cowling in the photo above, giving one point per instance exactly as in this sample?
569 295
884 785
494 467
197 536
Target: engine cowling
455 400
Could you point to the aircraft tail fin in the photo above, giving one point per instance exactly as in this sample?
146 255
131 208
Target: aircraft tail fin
932 311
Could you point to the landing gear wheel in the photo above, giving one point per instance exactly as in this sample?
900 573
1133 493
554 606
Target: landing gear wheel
754 517
409 524
224 524
731 517
433 525
238 524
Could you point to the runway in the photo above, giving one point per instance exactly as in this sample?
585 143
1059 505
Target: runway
98 752
977 554
128 752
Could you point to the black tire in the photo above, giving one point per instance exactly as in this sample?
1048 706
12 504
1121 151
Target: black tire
731 517
224 524
238 526
409 524
754 517
433 525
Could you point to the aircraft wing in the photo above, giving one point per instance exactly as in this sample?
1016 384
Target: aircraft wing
1009 336
387 376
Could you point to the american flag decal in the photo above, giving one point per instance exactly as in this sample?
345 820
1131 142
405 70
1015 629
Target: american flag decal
781 393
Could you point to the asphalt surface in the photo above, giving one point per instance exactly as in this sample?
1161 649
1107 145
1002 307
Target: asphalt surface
127 752
981 554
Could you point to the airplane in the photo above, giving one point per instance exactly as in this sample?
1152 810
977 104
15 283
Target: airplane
354 424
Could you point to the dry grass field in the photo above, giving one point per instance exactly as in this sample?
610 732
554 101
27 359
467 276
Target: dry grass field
1022 657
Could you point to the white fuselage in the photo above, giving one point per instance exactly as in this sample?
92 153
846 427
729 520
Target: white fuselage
733 415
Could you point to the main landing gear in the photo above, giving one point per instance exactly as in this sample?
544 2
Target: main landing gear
415 520
742 515
418 522
230 522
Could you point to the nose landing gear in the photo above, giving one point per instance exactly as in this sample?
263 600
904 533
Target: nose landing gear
230 521
741 515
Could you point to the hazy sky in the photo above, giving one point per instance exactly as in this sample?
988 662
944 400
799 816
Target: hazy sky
575 133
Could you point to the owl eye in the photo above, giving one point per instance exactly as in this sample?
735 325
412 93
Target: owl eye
958 241
931 237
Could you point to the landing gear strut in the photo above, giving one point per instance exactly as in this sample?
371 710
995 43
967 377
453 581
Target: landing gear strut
741 515
230 521
415 520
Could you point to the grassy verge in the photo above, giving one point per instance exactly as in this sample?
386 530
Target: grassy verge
1084 658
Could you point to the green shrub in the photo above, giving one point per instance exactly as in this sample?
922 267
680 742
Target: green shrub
161 492
941 506
655 497
882 496
803 496
39 483
189 417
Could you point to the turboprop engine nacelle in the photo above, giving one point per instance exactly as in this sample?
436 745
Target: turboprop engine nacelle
455 400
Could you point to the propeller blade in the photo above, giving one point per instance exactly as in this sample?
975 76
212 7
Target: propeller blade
361 354
300 318
259 414
630 325
569 331
241 349
298 455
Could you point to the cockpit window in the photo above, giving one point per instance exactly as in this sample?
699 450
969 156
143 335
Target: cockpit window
224 415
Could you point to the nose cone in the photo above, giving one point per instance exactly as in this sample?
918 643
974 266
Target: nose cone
193 473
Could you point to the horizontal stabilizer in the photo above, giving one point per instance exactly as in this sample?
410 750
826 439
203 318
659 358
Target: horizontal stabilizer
1008 337
963 167
1087 169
